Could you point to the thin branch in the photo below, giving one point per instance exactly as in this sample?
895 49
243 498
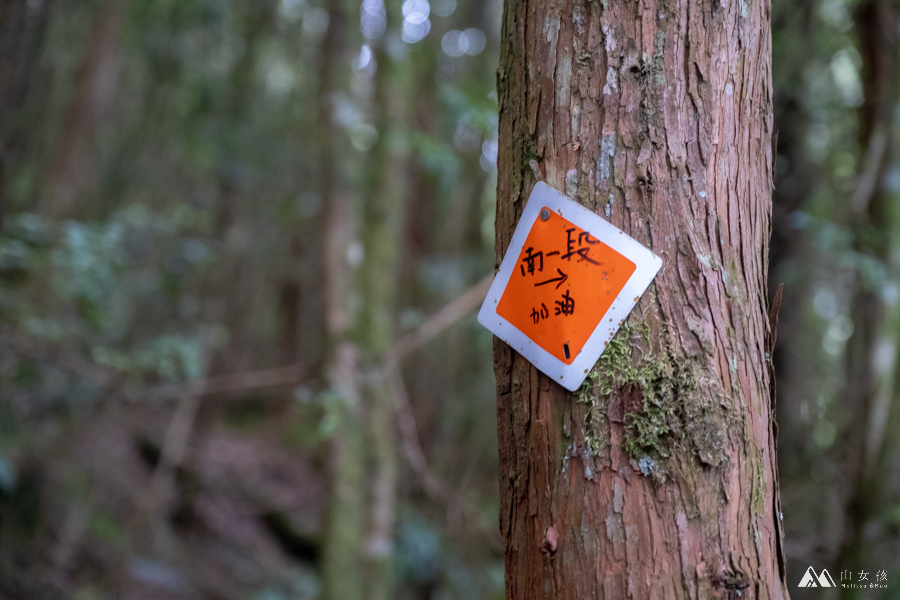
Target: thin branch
409 437
876 153
174 447
296 373
239 382
439 322
415 455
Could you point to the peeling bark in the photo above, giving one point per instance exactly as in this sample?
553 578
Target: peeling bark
657 479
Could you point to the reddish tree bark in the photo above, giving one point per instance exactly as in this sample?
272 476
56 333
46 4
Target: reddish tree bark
657 479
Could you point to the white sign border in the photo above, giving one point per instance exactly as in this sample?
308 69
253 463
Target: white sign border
647 266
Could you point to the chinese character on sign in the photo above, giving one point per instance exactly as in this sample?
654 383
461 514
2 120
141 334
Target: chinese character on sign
566 306
846 574
529 259
538 315
863 575
881 575
582 250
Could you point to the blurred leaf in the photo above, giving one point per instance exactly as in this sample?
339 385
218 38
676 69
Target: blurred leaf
108 529
171 357
7 476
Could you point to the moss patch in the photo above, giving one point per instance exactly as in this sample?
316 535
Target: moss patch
596 426
667 408
528 149
660 388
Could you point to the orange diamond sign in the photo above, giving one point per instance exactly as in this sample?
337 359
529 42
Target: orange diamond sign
568 280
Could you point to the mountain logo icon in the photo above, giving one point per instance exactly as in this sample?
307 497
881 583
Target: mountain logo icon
810 579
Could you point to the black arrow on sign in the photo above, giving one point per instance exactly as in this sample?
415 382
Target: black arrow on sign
561 279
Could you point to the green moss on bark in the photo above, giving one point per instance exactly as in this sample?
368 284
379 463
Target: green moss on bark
666 408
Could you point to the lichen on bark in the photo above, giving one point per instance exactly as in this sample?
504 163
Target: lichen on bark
667 412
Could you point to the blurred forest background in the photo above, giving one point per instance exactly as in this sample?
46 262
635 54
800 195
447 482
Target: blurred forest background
240 248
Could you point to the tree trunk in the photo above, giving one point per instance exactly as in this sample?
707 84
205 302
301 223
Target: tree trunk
359 561
657 479
22 81
94 92
873 347
383 205
342 565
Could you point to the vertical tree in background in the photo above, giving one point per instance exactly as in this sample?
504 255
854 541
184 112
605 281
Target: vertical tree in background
383 198
21 31
657 479
92 99
873 347
359 542
341 561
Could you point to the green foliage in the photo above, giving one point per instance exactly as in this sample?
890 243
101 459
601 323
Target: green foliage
108 529
87 263
426 559
93 284
438 157
192 250
7 476
478 113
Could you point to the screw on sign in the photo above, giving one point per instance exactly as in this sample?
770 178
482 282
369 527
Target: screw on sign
567 282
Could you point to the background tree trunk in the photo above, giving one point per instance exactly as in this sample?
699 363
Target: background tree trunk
342 564
93 94
657 479
22 31
872 362
383 197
